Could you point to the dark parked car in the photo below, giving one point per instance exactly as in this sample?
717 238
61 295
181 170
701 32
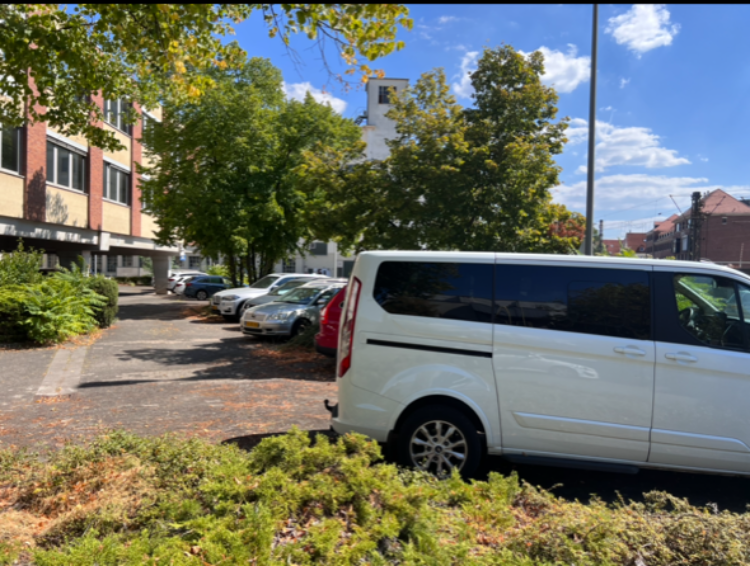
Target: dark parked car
202 287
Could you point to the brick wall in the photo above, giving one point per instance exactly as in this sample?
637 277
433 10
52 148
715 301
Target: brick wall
35 167
135 178
95 177
722 242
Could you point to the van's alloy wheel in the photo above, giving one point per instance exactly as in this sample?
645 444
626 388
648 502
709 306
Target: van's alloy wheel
438 440
300 327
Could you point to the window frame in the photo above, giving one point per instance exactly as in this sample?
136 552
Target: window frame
122 107
111 259
384 94
52 175
121 173
17 136
127 261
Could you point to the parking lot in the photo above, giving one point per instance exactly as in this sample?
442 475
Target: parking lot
163 369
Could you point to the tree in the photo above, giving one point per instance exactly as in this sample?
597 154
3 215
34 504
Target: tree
456 179
227 179
150 52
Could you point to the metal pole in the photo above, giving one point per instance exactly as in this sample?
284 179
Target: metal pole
589 246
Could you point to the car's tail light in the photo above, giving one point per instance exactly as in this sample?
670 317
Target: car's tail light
188 284
324 314
171 279
347 328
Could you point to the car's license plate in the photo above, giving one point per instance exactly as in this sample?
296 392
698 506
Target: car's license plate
252 325
214 307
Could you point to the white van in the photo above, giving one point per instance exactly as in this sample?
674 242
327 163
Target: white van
613 363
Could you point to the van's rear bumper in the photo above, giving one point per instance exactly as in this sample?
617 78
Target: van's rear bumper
365 412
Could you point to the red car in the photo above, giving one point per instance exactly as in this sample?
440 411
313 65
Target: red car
327 340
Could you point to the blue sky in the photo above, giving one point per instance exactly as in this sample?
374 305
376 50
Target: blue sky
672 96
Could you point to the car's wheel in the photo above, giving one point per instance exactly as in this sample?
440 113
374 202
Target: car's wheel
438 439
300 326
201 295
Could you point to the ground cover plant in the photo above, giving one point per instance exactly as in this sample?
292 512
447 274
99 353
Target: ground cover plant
130 500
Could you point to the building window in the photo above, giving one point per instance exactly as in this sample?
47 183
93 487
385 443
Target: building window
115 112
319 248
116 184
127 261
384 94
10 155
289 265
723 219
194 261
65 168
111 264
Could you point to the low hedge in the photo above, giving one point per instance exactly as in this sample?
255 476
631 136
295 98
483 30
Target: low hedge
125 499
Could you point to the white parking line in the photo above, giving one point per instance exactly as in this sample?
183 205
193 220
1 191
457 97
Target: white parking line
64 373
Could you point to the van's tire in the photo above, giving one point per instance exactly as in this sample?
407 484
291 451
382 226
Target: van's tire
201 295
431 423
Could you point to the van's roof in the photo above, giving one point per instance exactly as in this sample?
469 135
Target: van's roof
552 258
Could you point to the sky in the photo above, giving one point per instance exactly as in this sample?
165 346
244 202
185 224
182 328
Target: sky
673 87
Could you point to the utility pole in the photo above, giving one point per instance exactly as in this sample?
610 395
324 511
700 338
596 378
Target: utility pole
589 246
600 245
696 218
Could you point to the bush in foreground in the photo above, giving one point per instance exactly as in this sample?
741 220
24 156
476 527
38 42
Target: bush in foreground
131 500
107 288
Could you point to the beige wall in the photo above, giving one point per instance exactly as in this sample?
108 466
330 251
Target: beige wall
146 160
11 195
67 207
115 218
156 112
122 156
148 226
78 139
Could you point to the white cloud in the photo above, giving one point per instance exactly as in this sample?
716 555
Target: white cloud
458 47
447 19
463 88
621 192
624 146
297 91
624 82
564 71
606 109
642 28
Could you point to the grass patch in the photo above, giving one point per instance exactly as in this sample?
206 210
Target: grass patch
128 500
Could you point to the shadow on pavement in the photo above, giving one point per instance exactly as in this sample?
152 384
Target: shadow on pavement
227 358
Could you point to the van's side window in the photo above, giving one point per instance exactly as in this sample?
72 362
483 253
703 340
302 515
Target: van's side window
607 302
457 291
708 309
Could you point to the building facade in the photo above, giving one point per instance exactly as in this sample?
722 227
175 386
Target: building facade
723 233
69 199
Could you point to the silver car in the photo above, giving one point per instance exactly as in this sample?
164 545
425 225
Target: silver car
293 312
277 293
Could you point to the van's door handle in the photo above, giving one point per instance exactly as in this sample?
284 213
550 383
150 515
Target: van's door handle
681 357
630 350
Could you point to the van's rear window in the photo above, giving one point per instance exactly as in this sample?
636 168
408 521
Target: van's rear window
456 291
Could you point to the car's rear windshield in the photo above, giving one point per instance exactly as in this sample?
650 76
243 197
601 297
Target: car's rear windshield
301 296
265 282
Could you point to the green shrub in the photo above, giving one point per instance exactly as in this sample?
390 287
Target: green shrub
20 267
143 280
125 499
305 339
12 314
107 288
58 309
218 270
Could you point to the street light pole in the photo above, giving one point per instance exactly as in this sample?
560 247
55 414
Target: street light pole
589 241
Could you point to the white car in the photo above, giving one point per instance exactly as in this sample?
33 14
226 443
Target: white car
179 275
180 284
611 363
229 302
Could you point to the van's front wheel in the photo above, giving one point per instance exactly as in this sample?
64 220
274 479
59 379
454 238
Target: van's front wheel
439 439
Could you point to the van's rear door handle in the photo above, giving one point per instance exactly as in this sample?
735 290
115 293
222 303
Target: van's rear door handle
681 357
630 350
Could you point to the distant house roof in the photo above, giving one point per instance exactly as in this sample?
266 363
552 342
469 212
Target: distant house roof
720 202
612 247
635 241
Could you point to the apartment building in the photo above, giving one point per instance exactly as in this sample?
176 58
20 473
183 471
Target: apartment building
70 199
723 233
